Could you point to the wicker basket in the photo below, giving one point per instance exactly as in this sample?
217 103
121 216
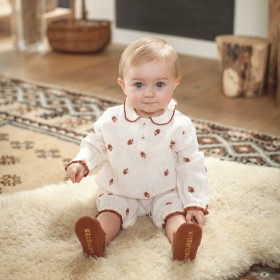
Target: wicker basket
79 36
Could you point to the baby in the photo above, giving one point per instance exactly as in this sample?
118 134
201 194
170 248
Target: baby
149 158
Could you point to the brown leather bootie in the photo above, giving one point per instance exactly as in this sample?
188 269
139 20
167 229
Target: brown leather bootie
186 241
91 236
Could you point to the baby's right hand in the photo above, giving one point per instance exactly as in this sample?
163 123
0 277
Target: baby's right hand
76 172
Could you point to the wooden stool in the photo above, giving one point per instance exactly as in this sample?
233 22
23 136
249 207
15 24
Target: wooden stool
244 62
278 71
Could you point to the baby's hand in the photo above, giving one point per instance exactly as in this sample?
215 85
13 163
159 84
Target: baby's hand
195 215
76 172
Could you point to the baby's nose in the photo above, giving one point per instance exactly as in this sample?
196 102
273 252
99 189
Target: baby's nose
149 92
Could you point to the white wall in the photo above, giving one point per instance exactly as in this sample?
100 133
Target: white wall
251 18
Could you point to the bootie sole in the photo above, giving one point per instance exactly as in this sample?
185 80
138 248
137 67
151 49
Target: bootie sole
91 236
186 241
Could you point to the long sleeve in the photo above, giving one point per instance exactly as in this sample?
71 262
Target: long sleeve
92 151
191 172
93 148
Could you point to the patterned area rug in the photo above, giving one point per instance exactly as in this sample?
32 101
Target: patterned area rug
41 127
69 116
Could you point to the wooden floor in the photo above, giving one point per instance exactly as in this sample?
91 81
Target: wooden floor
199 95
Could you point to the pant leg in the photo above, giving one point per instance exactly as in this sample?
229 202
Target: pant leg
166 205
125 207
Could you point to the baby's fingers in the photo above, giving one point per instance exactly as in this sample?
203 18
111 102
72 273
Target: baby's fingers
200 220
72 174
79 176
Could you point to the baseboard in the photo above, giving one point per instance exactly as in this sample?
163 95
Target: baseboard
185 46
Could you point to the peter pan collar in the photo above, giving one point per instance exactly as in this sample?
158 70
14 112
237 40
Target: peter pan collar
165 118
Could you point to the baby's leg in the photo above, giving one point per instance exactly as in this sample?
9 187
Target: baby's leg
184 237
168 211
110 223
114 212
172 224
94 234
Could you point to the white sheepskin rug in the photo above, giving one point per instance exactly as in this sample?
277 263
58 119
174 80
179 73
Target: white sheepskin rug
37 239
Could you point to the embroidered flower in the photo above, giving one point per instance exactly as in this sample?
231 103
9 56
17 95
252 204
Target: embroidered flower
157 132
130 142
143 155
166 172
172 143
125 171
146 194
111 182
190 189
186 159
114 118
127 211
109 147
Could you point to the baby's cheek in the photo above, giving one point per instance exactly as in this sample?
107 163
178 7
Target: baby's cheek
134 100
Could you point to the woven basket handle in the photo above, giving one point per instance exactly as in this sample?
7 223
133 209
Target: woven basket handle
84 10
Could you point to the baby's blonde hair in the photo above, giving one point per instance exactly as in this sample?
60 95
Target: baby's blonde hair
148 49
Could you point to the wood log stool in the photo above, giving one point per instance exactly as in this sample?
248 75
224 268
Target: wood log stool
244 62
278 70
274 37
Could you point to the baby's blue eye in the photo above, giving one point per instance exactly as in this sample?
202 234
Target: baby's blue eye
138 85
160 84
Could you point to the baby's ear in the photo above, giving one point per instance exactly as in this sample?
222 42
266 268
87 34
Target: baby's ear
121 83
178 81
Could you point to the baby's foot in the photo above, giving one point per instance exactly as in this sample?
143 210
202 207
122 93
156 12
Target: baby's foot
186 241
91 236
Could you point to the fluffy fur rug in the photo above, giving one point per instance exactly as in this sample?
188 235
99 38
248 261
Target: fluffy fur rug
37 239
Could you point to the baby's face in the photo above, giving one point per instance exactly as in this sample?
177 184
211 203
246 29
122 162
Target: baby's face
149 87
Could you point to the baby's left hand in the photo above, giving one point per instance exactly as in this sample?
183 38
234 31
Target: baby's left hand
197 215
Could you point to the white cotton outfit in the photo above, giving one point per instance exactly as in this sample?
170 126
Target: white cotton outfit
149 166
